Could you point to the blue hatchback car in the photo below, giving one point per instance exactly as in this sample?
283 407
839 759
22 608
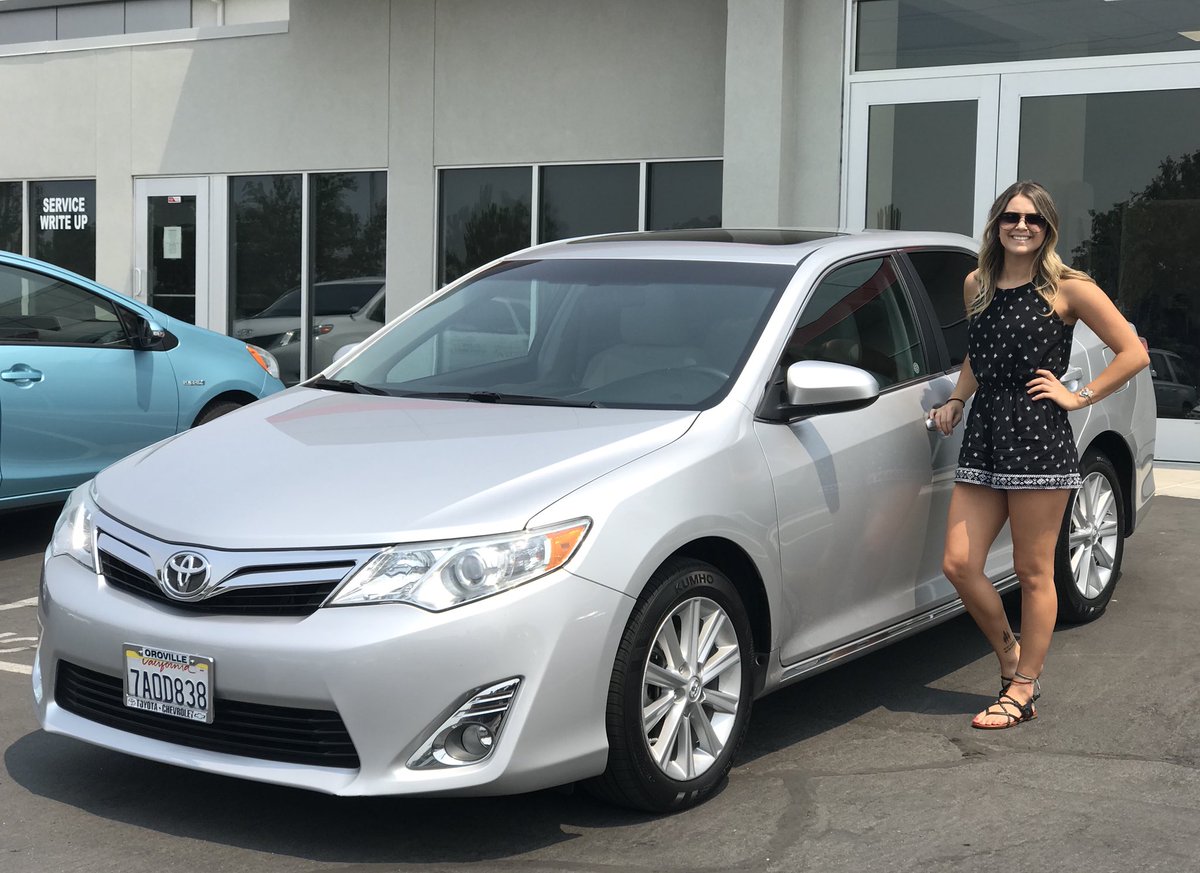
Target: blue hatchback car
88 376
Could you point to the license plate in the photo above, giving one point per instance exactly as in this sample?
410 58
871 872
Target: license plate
171 683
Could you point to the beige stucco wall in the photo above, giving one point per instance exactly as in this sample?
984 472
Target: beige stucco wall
414 85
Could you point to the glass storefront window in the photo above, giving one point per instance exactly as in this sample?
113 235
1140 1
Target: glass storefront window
921 166
10 217
1124 170
905 34
483 213
583 199
348 222
264 255
683 194
62 224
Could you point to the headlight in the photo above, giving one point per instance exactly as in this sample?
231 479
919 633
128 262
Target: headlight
265 359
74 532
293 336
442 575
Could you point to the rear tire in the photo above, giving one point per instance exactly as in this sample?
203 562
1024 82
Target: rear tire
679 700
1091 544
216 410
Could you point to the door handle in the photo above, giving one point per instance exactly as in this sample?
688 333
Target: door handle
22 375
1073 375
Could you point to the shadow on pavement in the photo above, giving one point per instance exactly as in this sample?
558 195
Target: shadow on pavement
25 532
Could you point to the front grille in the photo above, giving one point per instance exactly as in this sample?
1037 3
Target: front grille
273 733
298 599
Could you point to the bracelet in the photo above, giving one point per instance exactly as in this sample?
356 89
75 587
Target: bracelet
959 399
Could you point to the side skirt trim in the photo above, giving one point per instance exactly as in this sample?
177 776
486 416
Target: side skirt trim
878 639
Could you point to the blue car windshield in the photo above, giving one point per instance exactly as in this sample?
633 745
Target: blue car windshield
612 333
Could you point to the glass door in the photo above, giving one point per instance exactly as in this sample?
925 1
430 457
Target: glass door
1120 151
171 268
922 154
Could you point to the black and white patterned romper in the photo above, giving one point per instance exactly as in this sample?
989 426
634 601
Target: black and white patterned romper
1012 441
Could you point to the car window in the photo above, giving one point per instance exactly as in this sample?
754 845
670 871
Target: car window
1183 372
942 273
857 315
39 309
1158 367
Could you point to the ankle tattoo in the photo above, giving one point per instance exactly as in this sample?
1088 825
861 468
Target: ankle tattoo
1010 642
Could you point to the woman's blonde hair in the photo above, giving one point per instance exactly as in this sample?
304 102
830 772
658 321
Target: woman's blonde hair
1048 268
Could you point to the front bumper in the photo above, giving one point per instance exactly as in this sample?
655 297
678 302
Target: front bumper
393 673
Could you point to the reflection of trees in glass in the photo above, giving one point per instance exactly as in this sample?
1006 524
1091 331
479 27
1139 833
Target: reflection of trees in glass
10 216
489 230
1141 252
264 242
346 242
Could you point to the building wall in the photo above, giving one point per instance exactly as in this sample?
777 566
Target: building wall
783 117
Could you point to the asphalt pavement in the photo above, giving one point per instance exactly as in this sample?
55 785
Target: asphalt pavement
872 766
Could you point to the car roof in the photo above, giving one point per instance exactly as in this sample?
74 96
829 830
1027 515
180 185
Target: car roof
754 245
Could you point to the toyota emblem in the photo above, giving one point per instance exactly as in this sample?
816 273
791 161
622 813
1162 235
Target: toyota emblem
185 575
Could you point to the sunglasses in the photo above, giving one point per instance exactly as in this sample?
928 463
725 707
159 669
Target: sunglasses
1033 220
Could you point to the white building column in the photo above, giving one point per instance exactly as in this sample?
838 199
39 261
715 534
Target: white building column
411 190
784 65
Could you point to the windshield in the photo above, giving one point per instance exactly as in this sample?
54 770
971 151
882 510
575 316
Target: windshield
648 334
332 298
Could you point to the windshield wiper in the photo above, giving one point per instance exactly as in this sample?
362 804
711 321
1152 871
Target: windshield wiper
501 397
347 385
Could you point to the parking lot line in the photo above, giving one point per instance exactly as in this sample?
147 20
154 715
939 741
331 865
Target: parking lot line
6 667
28 601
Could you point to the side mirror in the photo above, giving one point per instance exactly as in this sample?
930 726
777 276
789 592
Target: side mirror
149 336
343 351
818 387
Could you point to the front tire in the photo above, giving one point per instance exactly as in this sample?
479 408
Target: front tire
679 700
1091 543
215 410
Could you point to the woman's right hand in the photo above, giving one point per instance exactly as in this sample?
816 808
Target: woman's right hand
947 416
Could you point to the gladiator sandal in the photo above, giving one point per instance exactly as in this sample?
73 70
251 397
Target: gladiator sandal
1009 707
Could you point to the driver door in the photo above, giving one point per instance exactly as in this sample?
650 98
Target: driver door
853 489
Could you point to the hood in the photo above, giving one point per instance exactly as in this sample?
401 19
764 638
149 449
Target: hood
310 468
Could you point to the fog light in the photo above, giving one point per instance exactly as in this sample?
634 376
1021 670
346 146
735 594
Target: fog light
469 743
471 733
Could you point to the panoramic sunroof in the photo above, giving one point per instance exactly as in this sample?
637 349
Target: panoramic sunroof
750 236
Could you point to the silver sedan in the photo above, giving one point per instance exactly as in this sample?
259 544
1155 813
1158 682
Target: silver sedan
487 554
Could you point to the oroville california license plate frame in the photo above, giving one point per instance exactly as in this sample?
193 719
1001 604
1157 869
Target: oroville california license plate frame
171 683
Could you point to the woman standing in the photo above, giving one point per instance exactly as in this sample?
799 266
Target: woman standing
1018 460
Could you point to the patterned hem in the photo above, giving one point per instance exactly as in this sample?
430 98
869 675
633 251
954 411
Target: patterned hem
1018 481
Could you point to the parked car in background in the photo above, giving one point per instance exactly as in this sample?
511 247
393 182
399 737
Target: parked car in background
1174 384
329 333
337 297
564 521
88 376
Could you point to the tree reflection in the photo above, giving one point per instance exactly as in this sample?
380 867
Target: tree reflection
349 225
10 216
488 230
264 241
1140 252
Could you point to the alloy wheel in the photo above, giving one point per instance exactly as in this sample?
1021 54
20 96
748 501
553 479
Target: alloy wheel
691 688
1094 535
